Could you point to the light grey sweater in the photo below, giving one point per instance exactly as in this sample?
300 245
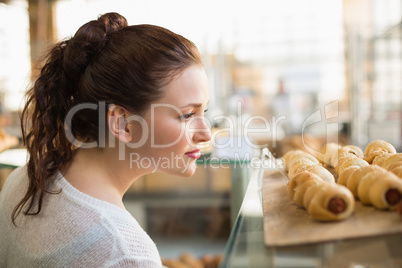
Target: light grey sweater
72 230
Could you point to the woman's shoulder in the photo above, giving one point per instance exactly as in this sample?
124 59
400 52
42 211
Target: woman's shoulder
114 233
15 184
18 174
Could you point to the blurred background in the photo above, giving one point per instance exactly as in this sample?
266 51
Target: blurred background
309 71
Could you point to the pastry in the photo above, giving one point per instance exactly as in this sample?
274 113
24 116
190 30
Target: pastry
296 155
378 148
330 202
344 176
313 187
383 154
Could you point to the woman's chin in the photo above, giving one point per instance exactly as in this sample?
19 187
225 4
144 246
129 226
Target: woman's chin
188 172
184 172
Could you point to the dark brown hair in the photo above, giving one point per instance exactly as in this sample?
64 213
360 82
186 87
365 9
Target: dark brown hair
105 61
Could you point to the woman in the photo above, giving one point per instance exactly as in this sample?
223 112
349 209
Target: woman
111 104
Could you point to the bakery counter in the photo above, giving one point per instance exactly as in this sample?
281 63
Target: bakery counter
247 244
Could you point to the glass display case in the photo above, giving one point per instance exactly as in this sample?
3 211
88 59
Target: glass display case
246 247
375 82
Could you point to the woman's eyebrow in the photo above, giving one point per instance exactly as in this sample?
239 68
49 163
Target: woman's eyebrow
196 105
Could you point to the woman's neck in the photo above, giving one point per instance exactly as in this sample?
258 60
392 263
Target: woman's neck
98 173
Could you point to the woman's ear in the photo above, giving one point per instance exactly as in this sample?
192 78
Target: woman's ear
117 122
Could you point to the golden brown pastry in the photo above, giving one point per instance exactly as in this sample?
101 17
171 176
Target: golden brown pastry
298 180
297 161
378 148
293 156
373 185
323 200
343 153
298 166
379 159
391 160
322 172
344 176
352 149
393 163
383 154
331 202
386 193
313 187
397 171
347 160
367 182
353 180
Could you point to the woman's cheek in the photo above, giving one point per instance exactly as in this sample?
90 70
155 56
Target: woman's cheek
170 133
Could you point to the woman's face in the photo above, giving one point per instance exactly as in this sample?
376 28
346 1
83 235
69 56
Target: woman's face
176 126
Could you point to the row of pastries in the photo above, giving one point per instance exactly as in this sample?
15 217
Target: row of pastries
373 177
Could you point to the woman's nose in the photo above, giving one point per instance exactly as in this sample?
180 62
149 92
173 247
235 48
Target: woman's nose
203 132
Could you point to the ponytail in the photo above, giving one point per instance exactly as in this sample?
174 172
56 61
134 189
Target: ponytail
42 125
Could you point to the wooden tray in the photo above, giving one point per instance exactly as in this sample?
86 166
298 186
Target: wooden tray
286 224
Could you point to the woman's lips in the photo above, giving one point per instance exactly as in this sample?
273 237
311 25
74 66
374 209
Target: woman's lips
194 154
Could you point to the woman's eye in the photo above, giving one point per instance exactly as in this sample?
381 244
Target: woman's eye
187 116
